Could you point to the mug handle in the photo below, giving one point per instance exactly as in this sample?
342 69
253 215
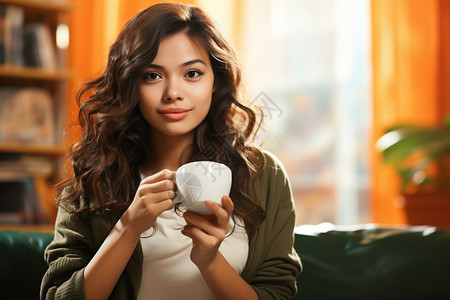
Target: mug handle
178 198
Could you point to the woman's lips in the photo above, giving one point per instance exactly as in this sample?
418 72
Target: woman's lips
175 114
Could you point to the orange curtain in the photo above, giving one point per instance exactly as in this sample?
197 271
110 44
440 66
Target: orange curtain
410 65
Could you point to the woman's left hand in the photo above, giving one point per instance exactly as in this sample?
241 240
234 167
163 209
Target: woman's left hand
208 231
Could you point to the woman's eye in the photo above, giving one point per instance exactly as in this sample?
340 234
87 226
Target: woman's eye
193 74
150 76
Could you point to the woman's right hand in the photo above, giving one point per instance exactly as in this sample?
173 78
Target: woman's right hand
153 196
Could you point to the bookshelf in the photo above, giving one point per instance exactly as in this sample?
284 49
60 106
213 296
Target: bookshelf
43 5
34 77
34 73
54 150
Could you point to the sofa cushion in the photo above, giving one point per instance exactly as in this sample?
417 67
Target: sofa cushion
370 262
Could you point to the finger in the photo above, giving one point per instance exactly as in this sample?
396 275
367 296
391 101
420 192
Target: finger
227 204
187 231
196 219
159 207
200 221
163 185
161 175
158 197
195 233
163 190
206 223
223 212
216 209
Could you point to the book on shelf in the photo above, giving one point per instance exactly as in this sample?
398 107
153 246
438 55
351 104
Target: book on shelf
26 116
11 35
21 166
39 48
23 43
21 203
26 195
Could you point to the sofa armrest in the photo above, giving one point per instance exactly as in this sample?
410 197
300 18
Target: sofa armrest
22 263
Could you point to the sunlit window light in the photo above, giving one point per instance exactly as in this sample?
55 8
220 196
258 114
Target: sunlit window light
62 36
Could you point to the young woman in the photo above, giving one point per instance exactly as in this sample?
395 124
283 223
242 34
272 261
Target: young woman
170 94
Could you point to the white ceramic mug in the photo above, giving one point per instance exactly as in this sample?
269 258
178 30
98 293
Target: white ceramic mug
200 181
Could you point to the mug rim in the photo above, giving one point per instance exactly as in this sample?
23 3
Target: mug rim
202 161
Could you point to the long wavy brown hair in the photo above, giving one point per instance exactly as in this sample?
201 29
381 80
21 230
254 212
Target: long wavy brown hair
115 140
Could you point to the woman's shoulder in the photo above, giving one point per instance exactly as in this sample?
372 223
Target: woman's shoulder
271 159
269 167
272 184
272 163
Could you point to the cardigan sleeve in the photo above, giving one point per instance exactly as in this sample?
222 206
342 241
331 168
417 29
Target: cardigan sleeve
273 263
77 238
67 255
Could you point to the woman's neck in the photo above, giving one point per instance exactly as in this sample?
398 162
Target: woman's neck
169 152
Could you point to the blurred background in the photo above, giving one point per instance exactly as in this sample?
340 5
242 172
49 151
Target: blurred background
330 75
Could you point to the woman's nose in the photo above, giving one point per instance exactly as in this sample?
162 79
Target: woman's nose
173 90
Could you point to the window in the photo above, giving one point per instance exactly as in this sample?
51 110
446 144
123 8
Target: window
307 65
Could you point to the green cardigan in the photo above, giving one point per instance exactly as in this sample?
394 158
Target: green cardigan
271 267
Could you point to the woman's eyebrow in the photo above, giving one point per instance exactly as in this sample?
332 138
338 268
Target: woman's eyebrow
154 66
188 63
194 61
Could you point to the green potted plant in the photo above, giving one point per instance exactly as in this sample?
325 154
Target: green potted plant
421 157
413 149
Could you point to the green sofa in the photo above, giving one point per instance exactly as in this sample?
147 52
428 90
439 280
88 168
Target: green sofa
373 262
358 262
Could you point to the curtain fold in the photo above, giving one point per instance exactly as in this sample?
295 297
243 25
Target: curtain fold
410 66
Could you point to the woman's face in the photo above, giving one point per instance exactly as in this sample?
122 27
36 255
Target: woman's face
176 88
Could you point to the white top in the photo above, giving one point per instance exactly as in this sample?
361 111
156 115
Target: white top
168 272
